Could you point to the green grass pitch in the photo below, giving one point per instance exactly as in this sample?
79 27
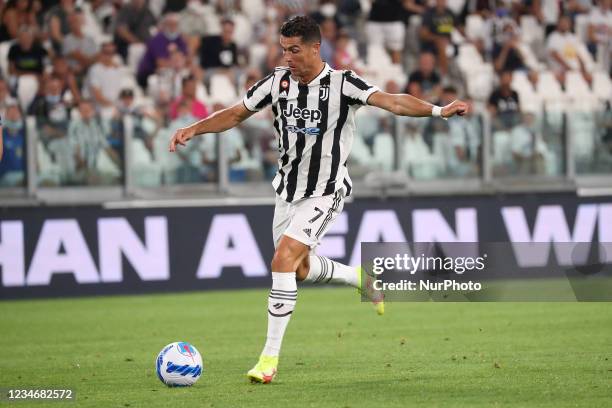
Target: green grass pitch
337 352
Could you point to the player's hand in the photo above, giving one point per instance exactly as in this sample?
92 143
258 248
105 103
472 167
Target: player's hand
180 137
456 107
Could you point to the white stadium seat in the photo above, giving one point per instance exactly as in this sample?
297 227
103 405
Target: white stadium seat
4 50
135 54
27 87
222 90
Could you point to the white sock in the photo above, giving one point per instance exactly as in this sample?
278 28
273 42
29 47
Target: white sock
281 302
324 270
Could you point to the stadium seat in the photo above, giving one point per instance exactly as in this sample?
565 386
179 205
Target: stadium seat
27 87
257 55
417 159
4 63
479 81
222 89
255 10
384 151
602 86
548 88
202 95
360 152
502 148
475 27
581 25
377 57
469 59
145 171
582 129
579 91
243 31
532 32
135 54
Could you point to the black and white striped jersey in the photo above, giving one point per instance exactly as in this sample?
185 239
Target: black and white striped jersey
315 126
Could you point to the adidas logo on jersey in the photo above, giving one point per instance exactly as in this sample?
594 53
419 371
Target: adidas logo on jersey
307 231
297 113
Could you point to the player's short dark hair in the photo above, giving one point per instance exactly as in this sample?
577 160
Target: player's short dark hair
302 26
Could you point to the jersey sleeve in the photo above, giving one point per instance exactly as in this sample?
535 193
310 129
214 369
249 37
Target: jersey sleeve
259 95
356 89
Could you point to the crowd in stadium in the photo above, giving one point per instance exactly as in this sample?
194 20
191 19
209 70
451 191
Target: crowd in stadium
86 71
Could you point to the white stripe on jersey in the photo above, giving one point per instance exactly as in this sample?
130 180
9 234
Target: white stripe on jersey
315 125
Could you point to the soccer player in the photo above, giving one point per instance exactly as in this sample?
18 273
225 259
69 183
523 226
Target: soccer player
313 107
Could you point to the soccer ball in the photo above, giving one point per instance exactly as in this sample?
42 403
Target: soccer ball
179 364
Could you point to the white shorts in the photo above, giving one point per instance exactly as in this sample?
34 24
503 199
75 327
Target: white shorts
308 219
389 35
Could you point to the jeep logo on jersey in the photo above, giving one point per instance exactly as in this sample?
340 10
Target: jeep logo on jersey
310 114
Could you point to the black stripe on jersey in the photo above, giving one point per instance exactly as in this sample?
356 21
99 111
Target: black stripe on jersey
330 213
330 188
282 102
315 155
251 91
264 102
300 143
358 83
348 188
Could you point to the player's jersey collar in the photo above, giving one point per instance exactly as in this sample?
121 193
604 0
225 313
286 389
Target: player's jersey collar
317 79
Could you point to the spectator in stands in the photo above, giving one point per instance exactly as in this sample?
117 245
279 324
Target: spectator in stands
188 96
12 165
438 23
144 121
191 169
424 82
220 51
51 111
104 77
81 50
165 85
566 52
57 20
342 57
87 140
197 20
134 22
70 87
600 28
504 104
27 55
15 14
160 47
547 12
506 53
328 39
386 27
464 137
528 148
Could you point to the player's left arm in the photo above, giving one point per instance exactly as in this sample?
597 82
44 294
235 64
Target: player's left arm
408 105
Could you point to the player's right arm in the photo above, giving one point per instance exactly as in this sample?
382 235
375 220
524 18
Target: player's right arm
217 122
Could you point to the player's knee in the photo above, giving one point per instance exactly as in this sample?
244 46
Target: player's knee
303 269
284 260
288 256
